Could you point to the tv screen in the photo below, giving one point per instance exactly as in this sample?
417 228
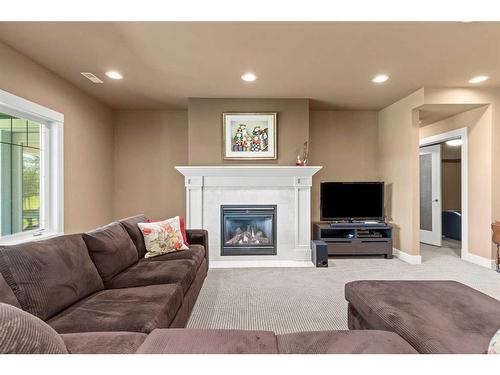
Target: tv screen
352 200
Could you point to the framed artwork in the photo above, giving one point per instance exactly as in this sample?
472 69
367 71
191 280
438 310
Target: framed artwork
250 136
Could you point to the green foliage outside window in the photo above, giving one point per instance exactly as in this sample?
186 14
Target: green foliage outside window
20 180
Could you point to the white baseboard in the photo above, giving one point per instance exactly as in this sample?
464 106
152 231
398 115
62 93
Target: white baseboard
405 257
259 263
480 261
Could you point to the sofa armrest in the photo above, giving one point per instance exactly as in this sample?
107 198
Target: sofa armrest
198 237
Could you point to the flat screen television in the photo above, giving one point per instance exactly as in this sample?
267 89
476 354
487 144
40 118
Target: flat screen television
352 201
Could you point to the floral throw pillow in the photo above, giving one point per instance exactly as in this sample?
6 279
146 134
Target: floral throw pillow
162 237
183 228
494 347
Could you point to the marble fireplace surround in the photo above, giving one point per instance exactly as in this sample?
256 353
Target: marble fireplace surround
289 187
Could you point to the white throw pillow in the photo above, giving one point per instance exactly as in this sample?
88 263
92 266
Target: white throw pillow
494 347
162 237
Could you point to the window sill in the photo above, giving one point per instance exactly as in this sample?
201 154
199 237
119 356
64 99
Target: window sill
16 240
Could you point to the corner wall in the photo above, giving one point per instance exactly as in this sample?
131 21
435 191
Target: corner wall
343 142
88 138
398 137
478 124
398 147
489 144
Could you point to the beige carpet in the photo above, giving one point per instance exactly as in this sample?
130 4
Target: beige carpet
304 299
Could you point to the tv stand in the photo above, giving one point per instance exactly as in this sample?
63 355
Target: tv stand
355 238
355 223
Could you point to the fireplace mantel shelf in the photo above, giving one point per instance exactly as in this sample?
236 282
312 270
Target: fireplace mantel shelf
248 170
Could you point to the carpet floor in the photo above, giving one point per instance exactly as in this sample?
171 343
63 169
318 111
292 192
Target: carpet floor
287 300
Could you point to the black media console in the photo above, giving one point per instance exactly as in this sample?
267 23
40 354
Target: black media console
355 238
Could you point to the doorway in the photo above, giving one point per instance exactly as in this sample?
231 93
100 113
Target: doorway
443 191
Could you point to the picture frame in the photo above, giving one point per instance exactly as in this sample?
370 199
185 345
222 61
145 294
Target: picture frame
250 135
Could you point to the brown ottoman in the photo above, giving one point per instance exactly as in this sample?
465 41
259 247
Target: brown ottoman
205 341
343 342
433 316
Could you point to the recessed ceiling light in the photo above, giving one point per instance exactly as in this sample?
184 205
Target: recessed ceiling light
249 77
478 79
454 142
381 78
113 74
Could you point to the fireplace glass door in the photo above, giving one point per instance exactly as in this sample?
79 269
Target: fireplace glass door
248 230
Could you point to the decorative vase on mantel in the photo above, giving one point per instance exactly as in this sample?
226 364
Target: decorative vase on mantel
302 158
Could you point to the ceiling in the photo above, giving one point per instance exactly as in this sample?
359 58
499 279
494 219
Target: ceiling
331 63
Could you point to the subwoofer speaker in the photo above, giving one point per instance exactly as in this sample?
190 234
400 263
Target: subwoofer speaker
319 253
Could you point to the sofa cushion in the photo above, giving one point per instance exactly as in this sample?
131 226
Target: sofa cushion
433 316
23 333
6 294
181 271
103 342
204 341
130 225
343 342
47 276
195 253
139 309
111 249
190 297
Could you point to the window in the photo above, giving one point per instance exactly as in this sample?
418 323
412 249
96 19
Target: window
20 175
31 183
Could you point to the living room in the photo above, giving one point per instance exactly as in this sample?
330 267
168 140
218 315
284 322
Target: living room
249 187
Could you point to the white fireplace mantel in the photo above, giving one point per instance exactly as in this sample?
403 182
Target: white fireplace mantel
248 170
209 187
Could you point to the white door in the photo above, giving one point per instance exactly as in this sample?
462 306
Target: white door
430 195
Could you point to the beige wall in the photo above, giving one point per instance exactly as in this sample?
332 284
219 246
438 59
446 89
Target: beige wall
148 145
205 128
491 173
495 155
477 96
345 143
88 138
398 153
478 123
398 148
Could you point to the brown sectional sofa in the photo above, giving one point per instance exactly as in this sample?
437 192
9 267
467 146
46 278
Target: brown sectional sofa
185 341
25 333
438 316
99 281
96 293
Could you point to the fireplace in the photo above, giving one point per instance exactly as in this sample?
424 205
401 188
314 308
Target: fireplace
248 230
288 187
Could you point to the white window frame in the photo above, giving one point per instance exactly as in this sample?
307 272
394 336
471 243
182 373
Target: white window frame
52 168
